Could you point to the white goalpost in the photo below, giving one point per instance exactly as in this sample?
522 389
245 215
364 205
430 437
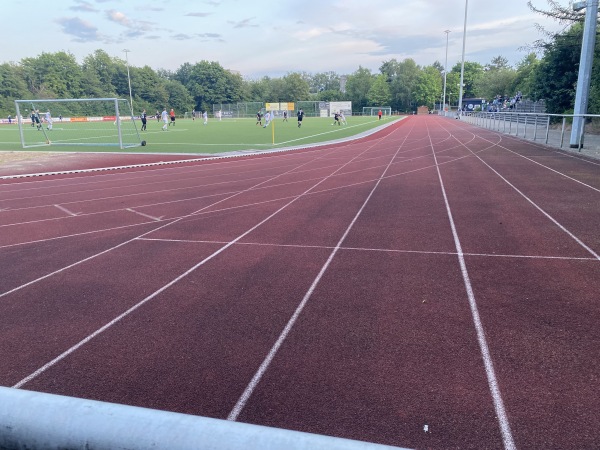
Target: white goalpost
374 110
71 122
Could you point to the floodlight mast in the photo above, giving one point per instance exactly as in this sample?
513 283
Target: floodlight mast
462 65
445 72
585 70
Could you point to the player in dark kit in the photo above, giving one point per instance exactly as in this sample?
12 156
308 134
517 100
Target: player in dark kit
300 117
258 118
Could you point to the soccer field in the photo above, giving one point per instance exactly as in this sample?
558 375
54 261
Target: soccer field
192 136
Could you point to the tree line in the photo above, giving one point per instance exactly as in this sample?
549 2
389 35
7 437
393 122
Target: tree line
402 85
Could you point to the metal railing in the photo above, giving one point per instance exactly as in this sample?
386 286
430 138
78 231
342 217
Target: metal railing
550 129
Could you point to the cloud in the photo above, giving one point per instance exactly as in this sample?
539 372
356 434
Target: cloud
82 5
82 31
245 23
118 17
198 14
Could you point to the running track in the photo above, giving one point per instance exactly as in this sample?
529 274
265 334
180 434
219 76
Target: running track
434 285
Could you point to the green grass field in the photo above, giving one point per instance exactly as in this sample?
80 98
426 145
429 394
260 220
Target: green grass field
192 136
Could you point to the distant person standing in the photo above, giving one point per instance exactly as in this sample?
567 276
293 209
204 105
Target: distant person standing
300 117
165 119
172 114
205 117
32 118
285 116
144 118
194 114
9 119
379 114
258 119
157 116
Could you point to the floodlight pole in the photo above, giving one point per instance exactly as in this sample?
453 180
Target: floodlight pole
445 72
462 65
585 70
129 80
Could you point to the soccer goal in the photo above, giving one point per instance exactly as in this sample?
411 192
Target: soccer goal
85 122
374 110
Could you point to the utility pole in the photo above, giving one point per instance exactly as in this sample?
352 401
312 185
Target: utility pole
585 70
445 72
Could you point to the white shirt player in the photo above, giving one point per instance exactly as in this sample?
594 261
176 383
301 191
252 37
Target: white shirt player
48 119
165 118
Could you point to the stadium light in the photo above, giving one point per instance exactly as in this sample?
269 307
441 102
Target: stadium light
129 80
462 65
585 71
445 71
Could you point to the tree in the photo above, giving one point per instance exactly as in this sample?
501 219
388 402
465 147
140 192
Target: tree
295 87
402 77
53 75
324 81
178 97
471 73
379 93
555 80
100 70
12 87
357 87
428 87
525 76
209 83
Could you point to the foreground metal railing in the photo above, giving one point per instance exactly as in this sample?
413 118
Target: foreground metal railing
34 420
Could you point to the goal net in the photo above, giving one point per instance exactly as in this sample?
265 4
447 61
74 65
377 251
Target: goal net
86 122
374 110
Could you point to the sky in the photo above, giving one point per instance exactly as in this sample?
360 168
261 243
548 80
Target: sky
274 37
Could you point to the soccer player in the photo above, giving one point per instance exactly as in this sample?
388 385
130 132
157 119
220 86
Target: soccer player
336 119
300 117
205 117
379 114
285 116
144 118
342 118
165 118
172 114
36 118
258 119
48 119
267 119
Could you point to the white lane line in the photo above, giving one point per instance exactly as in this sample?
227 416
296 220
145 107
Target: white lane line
504 423
145 215
168 285
243 400
539 208
65 210
171 222
367 249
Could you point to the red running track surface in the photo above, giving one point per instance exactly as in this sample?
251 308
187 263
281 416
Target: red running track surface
434 285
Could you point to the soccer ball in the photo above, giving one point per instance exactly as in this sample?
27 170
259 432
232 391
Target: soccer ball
143 143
